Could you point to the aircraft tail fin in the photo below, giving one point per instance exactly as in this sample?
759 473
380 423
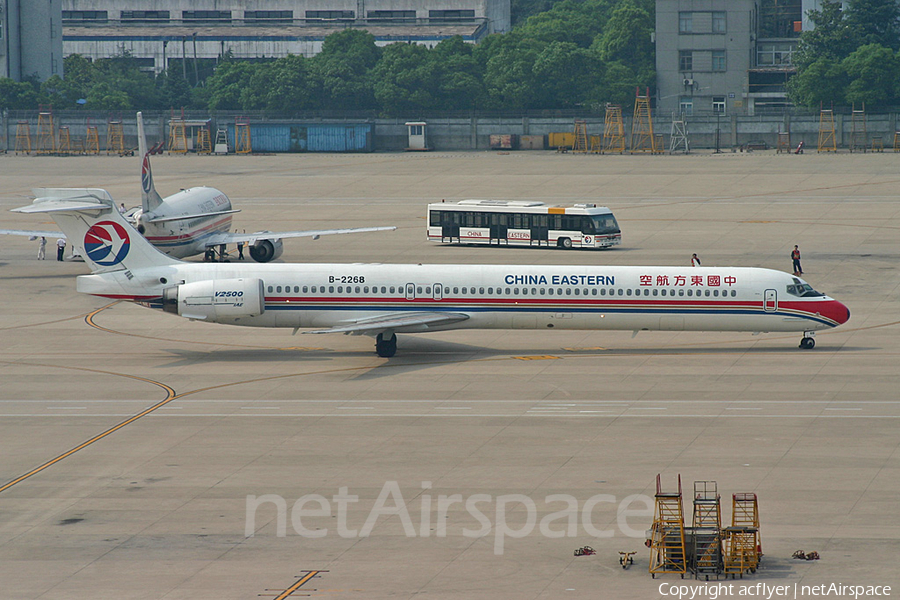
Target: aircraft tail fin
102 235
150 199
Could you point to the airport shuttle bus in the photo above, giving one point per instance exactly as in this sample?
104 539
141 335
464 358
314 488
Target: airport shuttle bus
383 300
522 223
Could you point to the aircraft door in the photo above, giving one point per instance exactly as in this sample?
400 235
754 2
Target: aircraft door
771 301
410 291
437 291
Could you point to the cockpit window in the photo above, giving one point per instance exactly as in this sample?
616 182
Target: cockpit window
802 290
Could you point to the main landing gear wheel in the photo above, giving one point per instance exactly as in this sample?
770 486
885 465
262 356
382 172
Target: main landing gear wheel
386 347
808 343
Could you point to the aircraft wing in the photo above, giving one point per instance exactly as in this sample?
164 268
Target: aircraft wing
34 234
409 322
196 216
217 239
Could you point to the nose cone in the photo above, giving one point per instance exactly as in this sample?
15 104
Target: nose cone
837 312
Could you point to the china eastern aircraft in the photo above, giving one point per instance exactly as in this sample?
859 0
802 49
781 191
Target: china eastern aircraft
382 300
193 221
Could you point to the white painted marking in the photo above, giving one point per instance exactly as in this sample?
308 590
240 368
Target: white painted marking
453 408
67 408
260 408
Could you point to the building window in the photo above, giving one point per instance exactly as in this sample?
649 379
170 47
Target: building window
391 15
686 105
718 60
775 54
718 22
269 16
145 16
450 15
685 22
718 104
330 15
70 17
206 15
685 60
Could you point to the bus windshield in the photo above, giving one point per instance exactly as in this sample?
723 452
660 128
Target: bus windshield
605 224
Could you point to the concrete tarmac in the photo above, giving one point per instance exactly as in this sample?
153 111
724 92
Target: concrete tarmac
149 457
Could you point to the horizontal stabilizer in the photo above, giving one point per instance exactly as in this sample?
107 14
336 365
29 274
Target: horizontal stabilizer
32 233
417 321
67 199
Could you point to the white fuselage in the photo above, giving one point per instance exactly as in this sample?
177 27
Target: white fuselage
503 296
180 238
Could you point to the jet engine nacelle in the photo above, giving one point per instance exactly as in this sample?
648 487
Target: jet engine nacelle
266 250
216 299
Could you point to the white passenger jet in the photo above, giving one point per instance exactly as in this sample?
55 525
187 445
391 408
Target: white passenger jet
193 221
383 300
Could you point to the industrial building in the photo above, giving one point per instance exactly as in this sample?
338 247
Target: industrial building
724 57
165 34
31 39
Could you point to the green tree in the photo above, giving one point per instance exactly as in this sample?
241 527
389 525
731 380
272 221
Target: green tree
627 37
225 86
565 74
280 86
461 76
873 72
832 37
875 22
406 81
18 94
342 71
821 83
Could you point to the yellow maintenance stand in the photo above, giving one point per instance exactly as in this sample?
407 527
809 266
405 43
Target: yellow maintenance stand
23 137
706 530
667 533
826 131
642 138
743 546
581 138
613 130
46 135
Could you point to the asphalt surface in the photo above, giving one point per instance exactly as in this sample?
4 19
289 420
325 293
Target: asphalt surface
144 456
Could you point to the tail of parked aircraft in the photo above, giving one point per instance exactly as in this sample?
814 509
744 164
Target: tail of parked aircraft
150 199
101 234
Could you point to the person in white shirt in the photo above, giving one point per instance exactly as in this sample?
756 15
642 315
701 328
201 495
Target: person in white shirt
60 248
42 248
695 260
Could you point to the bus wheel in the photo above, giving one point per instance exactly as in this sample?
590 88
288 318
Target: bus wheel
565 243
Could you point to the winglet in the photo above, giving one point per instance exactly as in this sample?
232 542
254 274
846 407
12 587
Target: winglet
150 199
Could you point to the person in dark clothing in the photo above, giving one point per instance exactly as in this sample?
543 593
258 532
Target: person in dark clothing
795 257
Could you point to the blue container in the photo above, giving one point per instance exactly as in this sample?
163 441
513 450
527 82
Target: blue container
285 137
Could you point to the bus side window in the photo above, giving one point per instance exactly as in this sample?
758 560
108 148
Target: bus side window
435 220
587 225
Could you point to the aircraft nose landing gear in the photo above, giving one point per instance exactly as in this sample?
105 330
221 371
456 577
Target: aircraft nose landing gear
808 342
386 347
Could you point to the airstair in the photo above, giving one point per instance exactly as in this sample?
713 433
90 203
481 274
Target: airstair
667 553
706 530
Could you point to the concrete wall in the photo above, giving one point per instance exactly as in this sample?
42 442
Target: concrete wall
446 134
